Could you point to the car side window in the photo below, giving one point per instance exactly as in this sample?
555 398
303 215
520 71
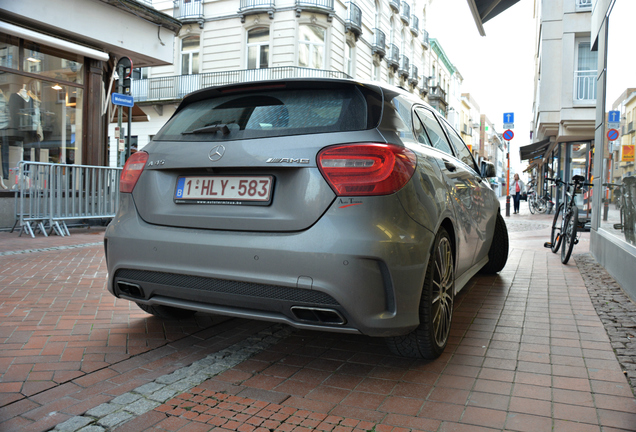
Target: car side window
420 132
403 112
434 130
463 153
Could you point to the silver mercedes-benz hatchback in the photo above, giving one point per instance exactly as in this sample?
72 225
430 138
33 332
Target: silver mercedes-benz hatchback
324 204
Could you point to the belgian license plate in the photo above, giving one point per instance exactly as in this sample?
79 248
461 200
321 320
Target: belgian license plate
223 190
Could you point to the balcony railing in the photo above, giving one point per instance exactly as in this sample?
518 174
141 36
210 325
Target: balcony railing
425 42
405 13
353 23
320 6
437 93
415 25
189 11
379 43
395 5
251 7
403 68
585 82
173 88
393 57
584 4
413 75
424 85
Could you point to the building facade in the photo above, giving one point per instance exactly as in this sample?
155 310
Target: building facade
232 41
564 108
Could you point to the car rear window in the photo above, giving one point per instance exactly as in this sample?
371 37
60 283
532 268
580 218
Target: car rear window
269 113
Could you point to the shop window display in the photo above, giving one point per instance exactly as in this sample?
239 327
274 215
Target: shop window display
41 99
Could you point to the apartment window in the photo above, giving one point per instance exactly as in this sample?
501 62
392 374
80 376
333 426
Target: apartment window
349 58
190 55
258 48
311 46
585 74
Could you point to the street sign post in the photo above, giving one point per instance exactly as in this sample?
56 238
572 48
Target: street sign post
614 117
612 134
122 100
508 135
509 118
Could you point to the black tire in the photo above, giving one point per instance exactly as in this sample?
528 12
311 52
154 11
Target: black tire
531 204
429 339
498 252
569 235
166 312
557 224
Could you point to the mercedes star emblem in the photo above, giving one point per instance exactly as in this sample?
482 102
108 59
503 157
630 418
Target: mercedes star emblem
216 153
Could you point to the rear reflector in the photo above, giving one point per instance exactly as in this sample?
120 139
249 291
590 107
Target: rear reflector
132 170
366 169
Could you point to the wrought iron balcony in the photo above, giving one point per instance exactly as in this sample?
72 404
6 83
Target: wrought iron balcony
379 43
413 75
319 6
395 5
253 7
174 88
403 68
189 11
393 57
415 25
584 4
437 93
425 42
424 86
353 23
585 85
405 13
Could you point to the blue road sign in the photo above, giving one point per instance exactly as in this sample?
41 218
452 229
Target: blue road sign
508 135
509 118
122 99
612 134
614 117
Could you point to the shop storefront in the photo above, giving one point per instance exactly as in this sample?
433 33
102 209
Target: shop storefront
57 63
42 104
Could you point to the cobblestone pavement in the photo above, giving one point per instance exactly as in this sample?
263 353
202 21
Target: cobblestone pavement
528 352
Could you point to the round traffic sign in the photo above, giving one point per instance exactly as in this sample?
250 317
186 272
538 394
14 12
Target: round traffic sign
508 135
612 134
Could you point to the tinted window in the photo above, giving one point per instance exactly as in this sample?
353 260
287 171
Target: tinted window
270 113
462 151
420 132
434 130
403 109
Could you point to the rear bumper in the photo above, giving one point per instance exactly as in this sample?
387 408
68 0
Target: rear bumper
362 263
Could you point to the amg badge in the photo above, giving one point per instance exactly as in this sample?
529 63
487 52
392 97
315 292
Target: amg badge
287 160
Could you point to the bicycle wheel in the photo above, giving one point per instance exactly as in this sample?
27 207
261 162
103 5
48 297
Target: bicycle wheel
570 228
531 204
541 206
557 223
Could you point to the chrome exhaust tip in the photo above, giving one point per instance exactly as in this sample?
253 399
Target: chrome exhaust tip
318 315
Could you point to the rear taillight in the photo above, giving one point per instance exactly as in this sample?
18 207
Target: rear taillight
132 170
366 169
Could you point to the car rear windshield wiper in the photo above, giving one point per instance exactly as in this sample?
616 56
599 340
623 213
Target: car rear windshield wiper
209 128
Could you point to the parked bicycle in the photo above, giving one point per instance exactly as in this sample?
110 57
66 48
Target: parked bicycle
539 204
627 206
566 223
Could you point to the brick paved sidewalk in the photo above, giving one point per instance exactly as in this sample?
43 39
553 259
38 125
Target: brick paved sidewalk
528 353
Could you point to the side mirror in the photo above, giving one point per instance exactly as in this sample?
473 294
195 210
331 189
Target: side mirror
488 169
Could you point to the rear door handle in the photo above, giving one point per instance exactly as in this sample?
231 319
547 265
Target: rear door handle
450 166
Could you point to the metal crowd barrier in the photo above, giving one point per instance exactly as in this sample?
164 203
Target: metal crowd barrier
49 195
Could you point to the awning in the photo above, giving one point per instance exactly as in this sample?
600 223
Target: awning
138 115
484 10
534 150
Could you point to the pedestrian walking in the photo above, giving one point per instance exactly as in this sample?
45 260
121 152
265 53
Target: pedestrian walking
518 186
